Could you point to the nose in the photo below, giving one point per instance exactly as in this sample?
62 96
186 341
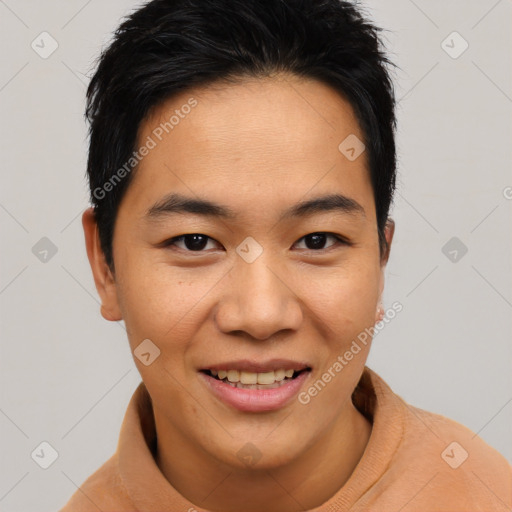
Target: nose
258 300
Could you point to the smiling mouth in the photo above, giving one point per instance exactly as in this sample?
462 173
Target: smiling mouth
252 380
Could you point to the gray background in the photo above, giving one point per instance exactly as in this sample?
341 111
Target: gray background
67 375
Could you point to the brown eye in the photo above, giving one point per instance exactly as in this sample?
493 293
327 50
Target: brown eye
316 241
194 242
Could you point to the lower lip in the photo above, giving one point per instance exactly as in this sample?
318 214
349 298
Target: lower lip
256 400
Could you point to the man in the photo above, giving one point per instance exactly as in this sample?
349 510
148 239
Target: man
242 167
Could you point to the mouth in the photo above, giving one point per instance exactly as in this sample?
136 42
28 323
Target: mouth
256 391
255 380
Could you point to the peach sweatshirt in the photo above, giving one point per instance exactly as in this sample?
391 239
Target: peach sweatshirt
414 461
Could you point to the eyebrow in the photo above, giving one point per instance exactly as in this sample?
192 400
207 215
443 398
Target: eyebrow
175 203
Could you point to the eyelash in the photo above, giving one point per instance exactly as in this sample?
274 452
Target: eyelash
340 241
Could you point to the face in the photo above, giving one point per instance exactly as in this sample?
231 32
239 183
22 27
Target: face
255 282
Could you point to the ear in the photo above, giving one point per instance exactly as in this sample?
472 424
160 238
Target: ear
103 276
389 231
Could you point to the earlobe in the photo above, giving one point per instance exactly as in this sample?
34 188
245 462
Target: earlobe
103 277
379 315
108 315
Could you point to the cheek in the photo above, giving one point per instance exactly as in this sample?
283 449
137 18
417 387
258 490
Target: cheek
159 302
345 310
346 298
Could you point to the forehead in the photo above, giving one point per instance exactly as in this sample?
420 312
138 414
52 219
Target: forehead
270 138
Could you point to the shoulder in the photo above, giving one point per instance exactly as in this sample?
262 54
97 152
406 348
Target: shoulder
459 442
103 490
433 462
457 467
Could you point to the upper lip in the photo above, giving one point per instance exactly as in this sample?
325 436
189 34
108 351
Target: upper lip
248 365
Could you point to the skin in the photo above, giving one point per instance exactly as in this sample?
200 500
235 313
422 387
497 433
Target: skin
258 146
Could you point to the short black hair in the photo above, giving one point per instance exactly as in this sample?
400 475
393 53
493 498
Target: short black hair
168 46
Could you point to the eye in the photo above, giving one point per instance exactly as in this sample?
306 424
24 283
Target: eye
194 242
316 241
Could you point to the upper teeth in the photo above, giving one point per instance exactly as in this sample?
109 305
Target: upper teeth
251 377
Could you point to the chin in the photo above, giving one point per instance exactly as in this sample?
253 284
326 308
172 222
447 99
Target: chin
257 453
